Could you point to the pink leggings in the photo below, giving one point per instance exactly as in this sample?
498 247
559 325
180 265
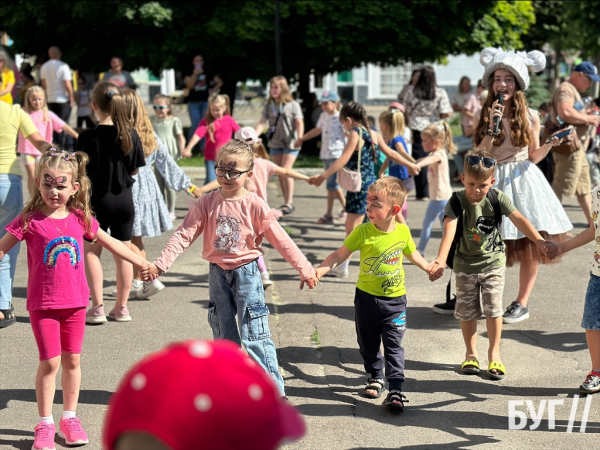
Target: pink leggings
262 267
58 330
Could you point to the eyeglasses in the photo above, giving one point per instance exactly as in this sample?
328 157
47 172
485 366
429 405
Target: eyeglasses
487 162
231 174
161 107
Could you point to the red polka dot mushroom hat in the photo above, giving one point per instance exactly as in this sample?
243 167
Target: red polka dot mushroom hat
202 395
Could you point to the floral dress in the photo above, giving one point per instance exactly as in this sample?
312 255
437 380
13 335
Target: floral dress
356 202
151 213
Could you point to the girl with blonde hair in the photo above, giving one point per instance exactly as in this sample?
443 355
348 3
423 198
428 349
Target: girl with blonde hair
151 213
46 122
218 127
282 116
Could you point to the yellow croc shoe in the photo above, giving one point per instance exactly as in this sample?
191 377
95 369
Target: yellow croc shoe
499 368
470 366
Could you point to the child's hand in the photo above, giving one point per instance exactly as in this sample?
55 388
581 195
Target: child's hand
150 272
298 143
186 153
320 271
311 283
436 270
551 249
414 169
316 180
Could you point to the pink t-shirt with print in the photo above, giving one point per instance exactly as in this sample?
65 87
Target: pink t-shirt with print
438 176
263 170
54 260
222 134
45 127
233 232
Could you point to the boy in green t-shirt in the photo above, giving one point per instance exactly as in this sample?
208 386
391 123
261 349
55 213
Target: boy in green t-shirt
479 260
380 298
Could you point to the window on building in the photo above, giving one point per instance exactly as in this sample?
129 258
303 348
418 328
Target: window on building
394 78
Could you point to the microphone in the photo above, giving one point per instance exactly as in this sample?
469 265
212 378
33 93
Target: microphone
496 123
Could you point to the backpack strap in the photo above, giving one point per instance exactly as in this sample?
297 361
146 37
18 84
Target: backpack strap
492 196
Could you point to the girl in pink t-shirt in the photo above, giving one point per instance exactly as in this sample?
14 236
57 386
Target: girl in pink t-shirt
54 224
46 122
218 127
234 222
437 141
263 170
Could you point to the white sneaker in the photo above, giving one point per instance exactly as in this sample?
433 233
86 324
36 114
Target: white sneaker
266 280
340 271
136 286
150 288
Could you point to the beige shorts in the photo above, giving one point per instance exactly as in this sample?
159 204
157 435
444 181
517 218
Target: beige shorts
571 174
29 159
479 293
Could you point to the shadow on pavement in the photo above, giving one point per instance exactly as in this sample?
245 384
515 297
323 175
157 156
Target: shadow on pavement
28 395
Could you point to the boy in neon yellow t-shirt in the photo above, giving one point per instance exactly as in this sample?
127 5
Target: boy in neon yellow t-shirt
380 299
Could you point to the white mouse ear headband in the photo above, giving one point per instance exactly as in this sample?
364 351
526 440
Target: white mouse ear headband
518 63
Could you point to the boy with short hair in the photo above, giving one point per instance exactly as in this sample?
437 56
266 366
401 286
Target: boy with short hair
479 260
380 298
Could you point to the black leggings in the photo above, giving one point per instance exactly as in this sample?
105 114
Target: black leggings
421 183
117 213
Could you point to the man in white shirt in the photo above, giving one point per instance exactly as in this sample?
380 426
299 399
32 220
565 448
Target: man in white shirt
56 81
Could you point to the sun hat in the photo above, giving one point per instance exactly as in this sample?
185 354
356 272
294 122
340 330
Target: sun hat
518 63
247 135
207 392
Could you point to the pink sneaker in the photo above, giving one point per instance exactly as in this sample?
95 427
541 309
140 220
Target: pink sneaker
72 432
120 316
95 315
44 436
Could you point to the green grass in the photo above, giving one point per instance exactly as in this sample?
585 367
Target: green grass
194 161
315 337
288 230
302 161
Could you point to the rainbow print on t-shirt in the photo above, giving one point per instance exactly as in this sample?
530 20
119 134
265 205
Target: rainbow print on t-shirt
62 245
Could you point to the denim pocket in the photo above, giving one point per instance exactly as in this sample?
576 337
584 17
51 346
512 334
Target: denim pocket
213 318
258 322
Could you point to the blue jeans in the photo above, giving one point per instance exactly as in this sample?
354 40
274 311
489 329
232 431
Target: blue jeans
239 292
11 204
591 310
435 209
332 180
197 111
210 171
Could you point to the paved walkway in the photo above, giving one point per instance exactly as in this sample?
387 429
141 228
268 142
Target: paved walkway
546 356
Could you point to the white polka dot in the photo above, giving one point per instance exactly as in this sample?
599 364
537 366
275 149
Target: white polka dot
200 349
138 382
255 392
202 402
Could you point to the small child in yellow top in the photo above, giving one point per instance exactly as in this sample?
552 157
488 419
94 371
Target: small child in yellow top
380 299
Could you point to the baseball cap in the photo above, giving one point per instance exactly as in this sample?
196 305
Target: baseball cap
202 394
589 69
330 96
247 134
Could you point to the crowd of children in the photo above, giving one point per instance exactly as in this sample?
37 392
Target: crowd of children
124 176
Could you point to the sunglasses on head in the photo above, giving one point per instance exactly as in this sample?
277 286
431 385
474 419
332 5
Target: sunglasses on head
161 107
487 162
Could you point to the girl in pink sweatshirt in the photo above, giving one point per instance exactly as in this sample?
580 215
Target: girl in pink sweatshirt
234 222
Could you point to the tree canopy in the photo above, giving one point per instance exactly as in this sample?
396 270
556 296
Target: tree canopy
238 36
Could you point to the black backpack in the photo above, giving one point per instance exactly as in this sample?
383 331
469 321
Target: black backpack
458 210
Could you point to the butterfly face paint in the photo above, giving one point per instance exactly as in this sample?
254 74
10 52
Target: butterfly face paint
58 181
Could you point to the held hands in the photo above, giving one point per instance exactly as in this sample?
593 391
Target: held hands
150 272
436 270
186 153
550 249
298 143
413 169
316 180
